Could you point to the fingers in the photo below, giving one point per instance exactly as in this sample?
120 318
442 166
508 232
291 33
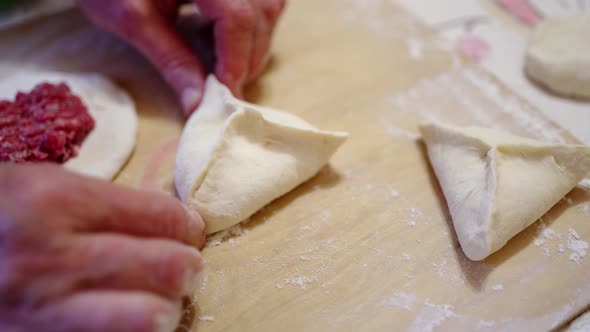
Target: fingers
99 311
146 25
142 213
103 261
234 31
268 12
100 206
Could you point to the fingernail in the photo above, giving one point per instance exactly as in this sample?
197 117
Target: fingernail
190 99
196 226
166 322
192 214
191 283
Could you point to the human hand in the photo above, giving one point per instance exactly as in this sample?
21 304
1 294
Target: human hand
242 33
79 254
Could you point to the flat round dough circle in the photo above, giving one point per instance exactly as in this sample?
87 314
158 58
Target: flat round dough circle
109 145
558 55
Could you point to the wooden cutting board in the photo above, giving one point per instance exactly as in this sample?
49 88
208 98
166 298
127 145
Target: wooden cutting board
368 244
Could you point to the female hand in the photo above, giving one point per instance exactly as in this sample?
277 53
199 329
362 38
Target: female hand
242 36
79 254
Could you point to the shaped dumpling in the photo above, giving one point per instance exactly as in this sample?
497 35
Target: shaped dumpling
496 184
235 157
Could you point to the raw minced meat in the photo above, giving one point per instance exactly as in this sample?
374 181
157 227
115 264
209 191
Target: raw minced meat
48 124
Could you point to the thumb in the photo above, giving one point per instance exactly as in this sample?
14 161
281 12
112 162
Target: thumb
145 26
179 66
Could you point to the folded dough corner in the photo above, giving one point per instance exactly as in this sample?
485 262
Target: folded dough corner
235 157
497 184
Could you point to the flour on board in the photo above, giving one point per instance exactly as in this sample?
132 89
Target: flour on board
400 300
299 281
415 48
577 246
468 89
498 287
431 316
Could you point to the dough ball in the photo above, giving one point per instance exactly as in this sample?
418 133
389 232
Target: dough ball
558 55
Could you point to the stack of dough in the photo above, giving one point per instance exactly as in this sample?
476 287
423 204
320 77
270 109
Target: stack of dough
235 157
496 184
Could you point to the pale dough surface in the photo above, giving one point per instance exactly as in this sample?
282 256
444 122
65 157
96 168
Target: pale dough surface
497 184
107 148
558 55
235 157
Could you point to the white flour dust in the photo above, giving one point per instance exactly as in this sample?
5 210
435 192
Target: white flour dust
298 281
551 242
415 48
481 100
401 300
230 235
431 316
577 246
206 318
498 287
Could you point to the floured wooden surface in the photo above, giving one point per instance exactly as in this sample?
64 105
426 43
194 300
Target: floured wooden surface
368 243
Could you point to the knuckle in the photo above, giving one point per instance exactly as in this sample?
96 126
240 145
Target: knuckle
273 8
242 17
129 15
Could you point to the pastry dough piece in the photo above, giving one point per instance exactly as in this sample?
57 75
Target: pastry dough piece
108 146
497 184
235 157
558 55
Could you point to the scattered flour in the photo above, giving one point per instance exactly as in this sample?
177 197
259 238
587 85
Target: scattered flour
578 247
415 48
431 316
398 132
325 215
228 235
406 257
550 234
498 288
393 193
299 281
212 242
204 284
539 242
401 300
482 324
206 318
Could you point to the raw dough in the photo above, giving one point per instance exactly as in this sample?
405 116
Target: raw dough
558 55
25 11
109 145
235 157
497 184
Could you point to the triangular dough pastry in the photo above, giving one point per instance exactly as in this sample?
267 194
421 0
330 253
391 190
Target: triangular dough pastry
497 184
235 157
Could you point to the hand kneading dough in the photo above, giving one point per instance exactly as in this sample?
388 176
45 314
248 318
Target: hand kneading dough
106 150
497 184
235 157
558 55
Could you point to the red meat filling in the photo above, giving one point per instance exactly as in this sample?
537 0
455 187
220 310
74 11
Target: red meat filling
48 124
